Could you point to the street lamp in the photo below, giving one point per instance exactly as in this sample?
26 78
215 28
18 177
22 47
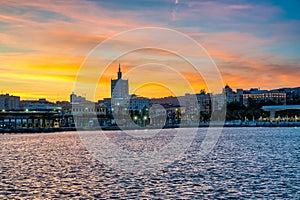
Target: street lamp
145 119
135 119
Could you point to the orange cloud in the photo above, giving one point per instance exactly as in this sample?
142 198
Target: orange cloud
44 52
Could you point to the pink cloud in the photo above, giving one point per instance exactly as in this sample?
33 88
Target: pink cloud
57 43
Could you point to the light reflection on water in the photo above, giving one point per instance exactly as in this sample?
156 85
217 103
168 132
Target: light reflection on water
245 163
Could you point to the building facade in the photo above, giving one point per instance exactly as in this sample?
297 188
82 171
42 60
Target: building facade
204 102
8 102
119 87
138 103
232 96
261 95
87 113
74 98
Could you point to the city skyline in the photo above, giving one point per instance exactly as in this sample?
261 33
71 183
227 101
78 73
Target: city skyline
119 90
44 43
234 90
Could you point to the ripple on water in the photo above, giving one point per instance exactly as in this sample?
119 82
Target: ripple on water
245 163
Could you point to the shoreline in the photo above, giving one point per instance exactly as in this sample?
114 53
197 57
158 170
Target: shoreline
112 128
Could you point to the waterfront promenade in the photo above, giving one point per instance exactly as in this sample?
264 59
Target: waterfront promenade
107 128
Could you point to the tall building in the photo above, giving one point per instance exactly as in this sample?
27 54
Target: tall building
119 87
119 99
8 102
192 109
232 96
204 102
77 99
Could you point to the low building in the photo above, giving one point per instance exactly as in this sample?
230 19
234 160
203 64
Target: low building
138 103
165 100
77 99
9 102
257 96
35 104
218 102
65 106
232 96
157 115
204 102
191 107
87 113
107 103
173 113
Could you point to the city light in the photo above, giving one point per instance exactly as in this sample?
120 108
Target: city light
170 99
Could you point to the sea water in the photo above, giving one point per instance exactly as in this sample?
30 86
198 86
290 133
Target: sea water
244 163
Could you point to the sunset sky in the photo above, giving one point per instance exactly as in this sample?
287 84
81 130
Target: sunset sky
43 44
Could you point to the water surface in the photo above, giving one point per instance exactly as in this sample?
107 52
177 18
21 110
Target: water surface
245 163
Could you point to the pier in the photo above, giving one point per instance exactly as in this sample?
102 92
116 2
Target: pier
29 120
273 109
